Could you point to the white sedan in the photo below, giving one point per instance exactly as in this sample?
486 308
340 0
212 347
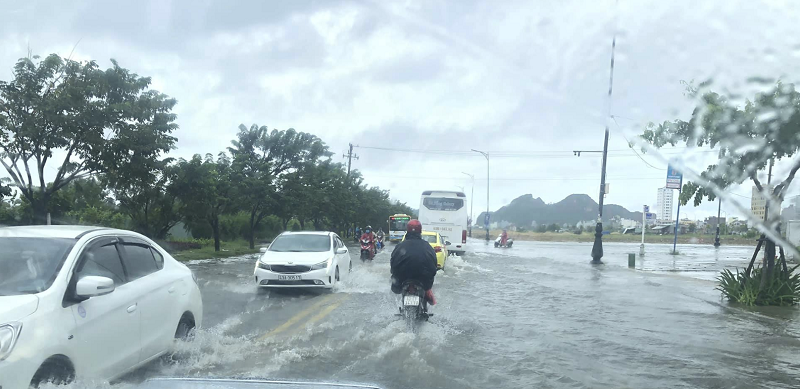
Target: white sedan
88 302
303 259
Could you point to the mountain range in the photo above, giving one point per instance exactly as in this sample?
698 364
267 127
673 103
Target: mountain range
573 209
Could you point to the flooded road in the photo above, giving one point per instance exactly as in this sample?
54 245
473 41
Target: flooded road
534 316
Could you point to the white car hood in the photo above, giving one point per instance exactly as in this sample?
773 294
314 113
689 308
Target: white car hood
280 258
13 308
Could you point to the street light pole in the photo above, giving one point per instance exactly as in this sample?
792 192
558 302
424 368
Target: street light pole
471 204
719 208
597 247
486 155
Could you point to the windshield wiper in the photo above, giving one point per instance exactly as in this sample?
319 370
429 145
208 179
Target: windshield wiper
296 251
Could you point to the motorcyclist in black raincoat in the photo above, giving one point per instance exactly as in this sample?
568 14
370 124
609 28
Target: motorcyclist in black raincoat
413 259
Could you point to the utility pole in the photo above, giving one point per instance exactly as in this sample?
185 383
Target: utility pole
471 204
597 247
486 222
719 209
645 211
349 157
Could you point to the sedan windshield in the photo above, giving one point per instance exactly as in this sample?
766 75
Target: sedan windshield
29 265
301 243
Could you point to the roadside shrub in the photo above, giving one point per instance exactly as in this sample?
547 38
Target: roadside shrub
294 225
782 290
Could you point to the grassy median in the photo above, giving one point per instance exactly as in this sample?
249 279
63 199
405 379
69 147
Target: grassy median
206 250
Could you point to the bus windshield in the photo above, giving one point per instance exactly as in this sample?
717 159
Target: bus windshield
398 224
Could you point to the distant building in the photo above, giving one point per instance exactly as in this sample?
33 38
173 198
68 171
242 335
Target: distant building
664 205
711 224
758 203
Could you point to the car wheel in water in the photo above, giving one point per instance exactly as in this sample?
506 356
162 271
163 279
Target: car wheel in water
185 330
350 268
58 371
337 273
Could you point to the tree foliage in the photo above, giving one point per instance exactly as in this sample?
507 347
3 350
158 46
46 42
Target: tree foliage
105 134
748 138
83 119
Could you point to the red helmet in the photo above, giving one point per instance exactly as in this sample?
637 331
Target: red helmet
414 226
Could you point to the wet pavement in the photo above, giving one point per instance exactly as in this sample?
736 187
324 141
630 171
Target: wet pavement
537 315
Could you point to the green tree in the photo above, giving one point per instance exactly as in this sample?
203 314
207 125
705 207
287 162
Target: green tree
747 137
146 194
101 121
552 227
260 160
205 191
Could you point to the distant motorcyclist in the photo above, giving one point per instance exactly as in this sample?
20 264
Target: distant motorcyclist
414 259
357 235
369 236
380 237
504 237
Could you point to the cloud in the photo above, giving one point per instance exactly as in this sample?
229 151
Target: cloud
511 76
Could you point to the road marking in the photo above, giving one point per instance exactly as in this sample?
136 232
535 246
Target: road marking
326 311
299 316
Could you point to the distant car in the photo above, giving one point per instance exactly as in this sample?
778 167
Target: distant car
439 246
88 302
306 259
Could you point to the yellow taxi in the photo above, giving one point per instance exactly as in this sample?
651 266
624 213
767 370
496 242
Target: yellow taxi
439 246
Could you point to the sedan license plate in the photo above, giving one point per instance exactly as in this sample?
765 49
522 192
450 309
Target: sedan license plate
289 278
411 300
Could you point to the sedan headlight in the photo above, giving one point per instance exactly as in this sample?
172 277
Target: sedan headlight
321 265
9 333
262 265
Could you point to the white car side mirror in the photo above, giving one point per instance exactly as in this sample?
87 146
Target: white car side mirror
263 249
91 286
341 250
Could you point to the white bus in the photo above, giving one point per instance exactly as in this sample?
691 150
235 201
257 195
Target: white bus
446 213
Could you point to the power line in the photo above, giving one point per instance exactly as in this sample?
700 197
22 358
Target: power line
567 154
631 148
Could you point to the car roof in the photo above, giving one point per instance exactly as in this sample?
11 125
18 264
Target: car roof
429 232
60 231
326 233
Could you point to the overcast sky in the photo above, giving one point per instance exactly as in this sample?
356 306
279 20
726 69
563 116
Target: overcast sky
507 77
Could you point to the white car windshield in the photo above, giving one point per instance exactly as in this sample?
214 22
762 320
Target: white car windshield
29 265
301 243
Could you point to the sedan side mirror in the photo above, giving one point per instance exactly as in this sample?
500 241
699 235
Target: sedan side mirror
263 250
341 250
447 243
92 286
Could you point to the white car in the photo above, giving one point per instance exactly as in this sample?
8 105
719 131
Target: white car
303 259
88 302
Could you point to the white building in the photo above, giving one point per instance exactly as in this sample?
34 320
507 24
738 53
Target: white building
664 205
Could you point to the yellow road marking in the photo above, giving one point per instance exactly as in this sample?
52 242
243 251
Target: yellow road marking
326 311
296 318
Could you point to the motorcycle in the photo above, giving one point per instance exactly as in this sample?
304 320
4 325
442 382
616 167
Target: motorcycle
367 252
509 242
414 307
379 243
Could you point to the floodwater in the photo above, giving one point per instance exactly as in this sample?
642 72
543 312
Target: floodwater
537 315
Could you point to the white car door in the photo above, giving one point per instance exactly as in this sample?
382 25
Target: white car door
107 327
342 259
158 296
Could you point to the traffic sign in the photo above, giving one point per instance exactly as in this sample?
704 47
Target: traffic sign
674 178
